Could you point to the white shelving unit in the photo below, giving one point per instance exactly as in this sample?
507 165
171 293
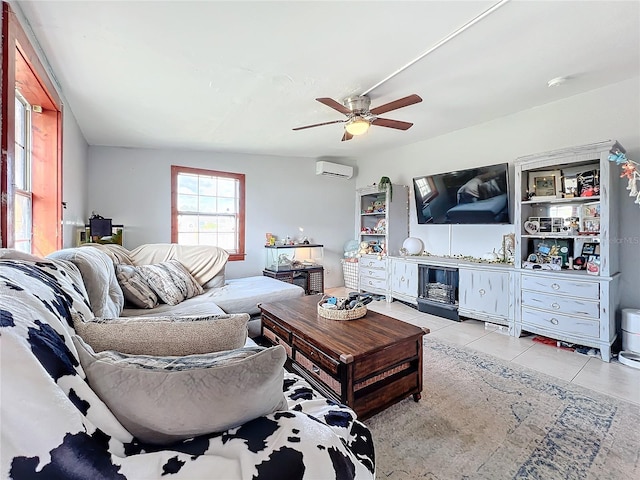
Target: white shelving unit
382 220
567 304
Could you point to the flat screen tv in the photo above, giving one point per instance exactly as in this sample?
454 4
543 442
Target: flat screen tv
472 196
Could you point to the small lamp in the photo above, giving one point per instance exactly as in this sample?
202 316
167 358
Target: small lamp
357 126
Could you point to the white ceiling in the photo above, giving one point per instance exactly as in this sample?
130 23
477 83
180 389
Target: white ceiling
238 76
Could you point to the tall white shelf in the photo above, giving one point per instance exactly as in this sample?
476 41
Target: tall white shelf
387 227
567 304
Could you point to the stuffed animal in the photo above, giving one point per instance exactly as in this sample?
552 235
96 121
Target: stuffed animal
378 206
364 249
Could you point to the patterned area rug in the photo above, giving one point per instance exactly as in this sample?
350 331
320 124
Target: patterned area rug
481 418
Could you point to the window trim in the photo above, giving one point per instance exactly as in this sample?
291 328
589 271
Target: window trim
22 69
176 169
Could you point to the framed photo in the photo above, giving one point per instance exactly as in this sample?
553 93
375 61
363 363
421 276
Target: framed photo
589 249
545 185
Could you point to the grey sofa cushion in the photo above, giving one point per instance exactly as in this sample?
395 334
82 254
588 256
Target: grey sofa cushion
99 277
135 288
171 281
165 399
164 336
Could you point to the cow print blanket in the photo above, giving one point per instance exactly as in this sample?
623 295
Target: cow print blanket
55 427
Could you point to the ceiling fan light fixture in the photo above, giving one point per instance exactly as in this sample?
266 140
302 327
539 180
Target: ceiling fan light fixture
357 126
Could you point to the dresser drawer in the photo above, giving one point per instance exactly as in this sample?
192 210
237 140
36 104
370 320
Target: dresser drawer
276 340
372 273
315 370
268 323
560 324
590 290
317 356
368 282
560 304
373 263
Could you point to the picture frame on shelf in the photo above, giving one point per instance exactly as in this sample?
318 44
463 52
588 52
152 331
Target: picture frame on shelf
589 183
545 185
569 186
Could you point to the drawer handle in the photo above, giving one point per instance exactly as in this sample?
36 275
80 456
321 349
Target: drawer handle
312 353
370 272
554 321
555 286
402 279
555 305
482 291
315 369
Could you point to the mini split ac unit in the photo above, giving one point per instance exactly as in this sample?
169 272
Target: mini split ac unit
334 169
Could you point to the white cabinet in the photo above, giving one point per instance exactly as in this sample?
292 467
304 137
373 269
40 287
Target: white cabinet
373 274
404 280
382 222
572 223
486 294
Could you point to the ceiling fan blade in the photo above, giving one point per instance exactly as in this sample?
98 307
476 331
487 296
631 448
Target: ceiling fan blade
330 102
318 124
400 103
346 136
385 122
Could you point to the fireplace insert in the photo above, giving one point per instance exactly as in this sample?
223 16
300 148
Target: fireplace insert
438 291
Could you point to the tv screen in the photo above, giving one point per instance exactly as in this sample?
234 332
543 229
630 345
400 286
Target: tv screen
472 196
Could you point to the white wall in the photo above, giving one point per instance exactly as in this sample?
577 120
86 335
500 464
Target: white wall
74 179
133 186
609 113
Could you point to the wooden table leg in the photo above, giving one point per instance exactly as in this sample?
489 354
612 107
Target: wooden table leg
417 397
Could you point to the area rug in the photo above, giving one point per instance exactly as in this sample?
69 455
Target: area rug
482 418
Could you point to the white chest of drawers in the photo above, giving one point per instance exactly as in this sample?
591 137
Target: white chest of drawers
571 308
373 275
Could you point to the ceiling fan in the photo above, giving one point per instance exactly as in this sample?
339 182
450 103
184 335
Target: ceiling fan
360 118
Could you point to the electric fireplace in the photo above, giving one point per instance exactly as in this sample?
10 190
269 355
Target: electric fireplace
438 291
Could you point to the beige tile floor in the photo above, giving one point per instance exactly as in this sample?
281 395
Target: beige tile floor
611 378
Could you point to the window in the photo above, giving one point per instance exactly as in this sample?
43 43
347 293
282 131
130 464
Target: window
207 208
30 147
22 210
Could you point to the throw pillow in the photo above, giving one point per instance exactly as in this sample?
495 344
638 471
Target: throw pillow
164 335
171 281
135 288
162 400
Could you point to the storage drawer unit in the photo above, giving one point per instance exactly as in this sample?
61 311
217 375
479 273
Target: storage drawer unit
373 275
574 310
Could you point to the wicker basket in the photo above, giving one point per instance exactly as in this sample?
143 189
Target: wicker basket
346 314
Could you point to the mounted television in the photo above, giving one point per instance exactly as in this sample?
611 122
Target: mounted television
472 196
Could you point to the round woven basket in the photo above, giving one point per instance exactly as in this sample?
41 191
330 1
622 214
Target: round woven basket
350 314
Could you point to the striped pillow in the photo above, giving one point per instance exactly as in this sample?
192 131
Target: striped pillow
135 288
171 281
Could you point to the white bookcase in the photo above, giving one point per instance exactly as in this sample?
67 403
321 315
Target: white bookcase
382 220
576 306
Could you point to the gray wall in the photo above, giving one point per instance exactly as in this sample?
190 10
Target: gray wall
608 113
74 179
133 186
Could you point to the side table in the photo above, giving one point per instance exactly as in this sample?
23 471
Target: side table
311 279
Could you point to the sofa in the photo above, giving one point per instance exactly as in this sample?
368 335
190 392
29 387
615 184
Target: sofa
59 397
103 271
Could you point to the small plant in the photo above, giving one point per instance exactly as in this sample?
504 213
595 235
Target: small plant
385 184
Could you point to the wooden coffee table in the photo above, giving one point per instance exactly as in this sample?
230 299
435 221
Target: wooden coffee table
368 364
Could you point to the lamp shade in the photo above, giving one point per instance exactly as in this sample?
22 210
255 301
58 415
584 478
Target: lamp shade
413 245
357 126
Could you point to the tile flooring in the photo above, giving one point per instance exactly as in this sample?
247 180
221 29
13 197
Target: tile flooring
611 378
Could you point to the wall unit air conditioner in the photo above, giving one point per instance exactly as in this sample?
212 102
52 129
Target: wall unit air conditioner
333 169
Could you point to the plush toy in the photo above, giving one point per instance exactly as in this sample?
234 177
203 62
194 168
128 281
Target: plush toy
364 248
378 206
